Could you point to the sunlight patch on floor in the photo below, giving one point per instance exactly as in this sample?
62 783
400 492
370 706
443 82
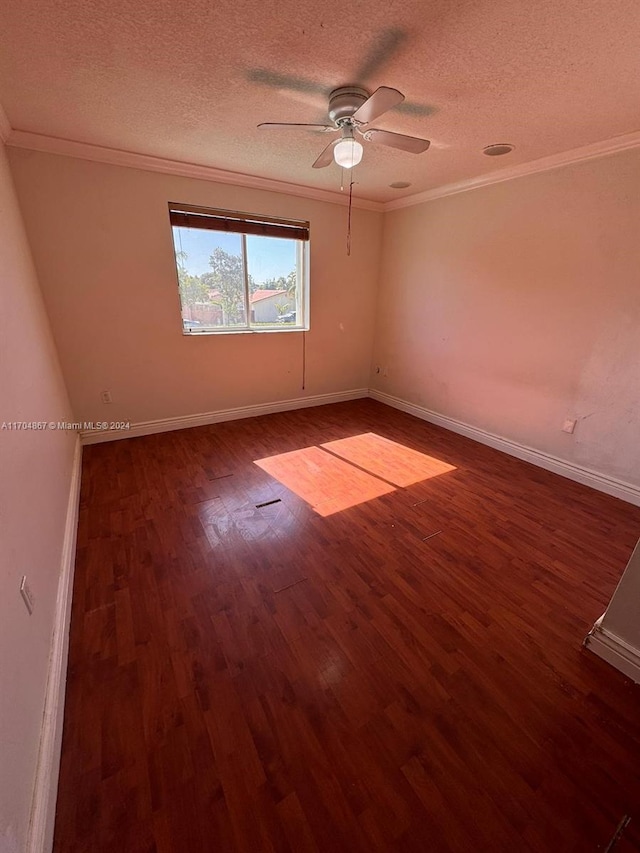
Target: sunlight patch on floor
330 478
325 482
387 459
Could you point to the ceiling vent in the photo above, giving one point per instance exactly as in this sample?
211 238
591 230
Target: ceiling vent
498 149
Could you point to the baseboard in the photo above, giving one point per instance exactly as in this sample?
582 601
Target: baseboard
601 482
41 824
168 424
614 650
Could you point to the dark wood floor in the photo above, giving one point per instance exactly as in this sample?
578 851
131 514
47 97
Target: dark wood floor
285 679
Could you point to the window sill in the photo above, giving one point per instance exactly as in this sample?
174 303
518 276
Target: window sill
196 333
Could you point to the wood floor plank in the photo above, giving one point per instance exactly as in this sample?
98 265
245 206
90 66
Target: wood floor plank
298 655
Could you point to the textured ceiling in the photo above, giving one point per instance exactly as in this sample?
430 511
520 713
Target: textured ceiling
190 81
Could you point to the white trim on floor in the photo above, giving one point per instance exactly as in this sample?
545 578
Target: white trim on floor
187 421
45 791
614 650
603 483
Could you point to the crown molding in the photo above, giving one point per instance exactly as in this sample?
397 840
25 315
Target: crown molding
543 164
149 163
5 127
133 160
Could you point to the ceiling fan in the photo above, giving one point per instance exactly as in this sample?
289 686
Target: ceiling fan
351 109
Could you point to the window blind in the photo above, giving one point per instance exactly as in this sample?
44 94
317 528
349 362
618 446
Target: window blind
237 223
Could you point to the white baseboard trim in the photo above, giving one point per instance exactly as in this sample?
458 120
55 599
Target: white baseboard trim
601 482
43 807
614 650
187 421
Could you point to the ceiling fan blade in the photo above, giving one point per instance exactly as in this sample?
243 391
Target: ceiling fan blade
326 158
324 128
383 99
412 144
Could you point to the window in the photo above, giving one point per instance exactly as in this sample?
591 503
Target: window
238 272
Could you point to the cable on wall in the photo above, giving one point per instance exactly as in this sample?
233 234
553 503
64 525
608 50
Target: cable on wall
304 359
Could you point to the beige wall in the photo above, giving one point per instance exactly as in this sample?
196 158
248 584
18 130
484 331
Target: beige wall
35 476
514 306
102 245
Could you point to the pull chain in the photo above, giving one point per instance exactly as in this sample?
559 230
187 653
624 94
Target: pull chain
349 218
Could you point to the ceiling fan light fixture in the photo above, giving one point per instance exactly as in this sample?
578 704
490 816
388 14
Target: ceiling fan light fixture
348 152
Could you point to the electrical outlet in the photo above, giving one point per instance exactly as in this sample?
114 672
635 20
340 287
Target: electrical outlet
569 425
106 397
27 596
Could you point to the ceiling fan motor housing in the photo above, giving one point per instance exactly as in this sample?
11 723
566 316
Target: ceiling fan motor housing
344 102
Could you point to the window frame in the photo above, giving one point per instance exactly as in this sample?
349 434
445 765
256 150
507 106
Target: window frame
232 221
